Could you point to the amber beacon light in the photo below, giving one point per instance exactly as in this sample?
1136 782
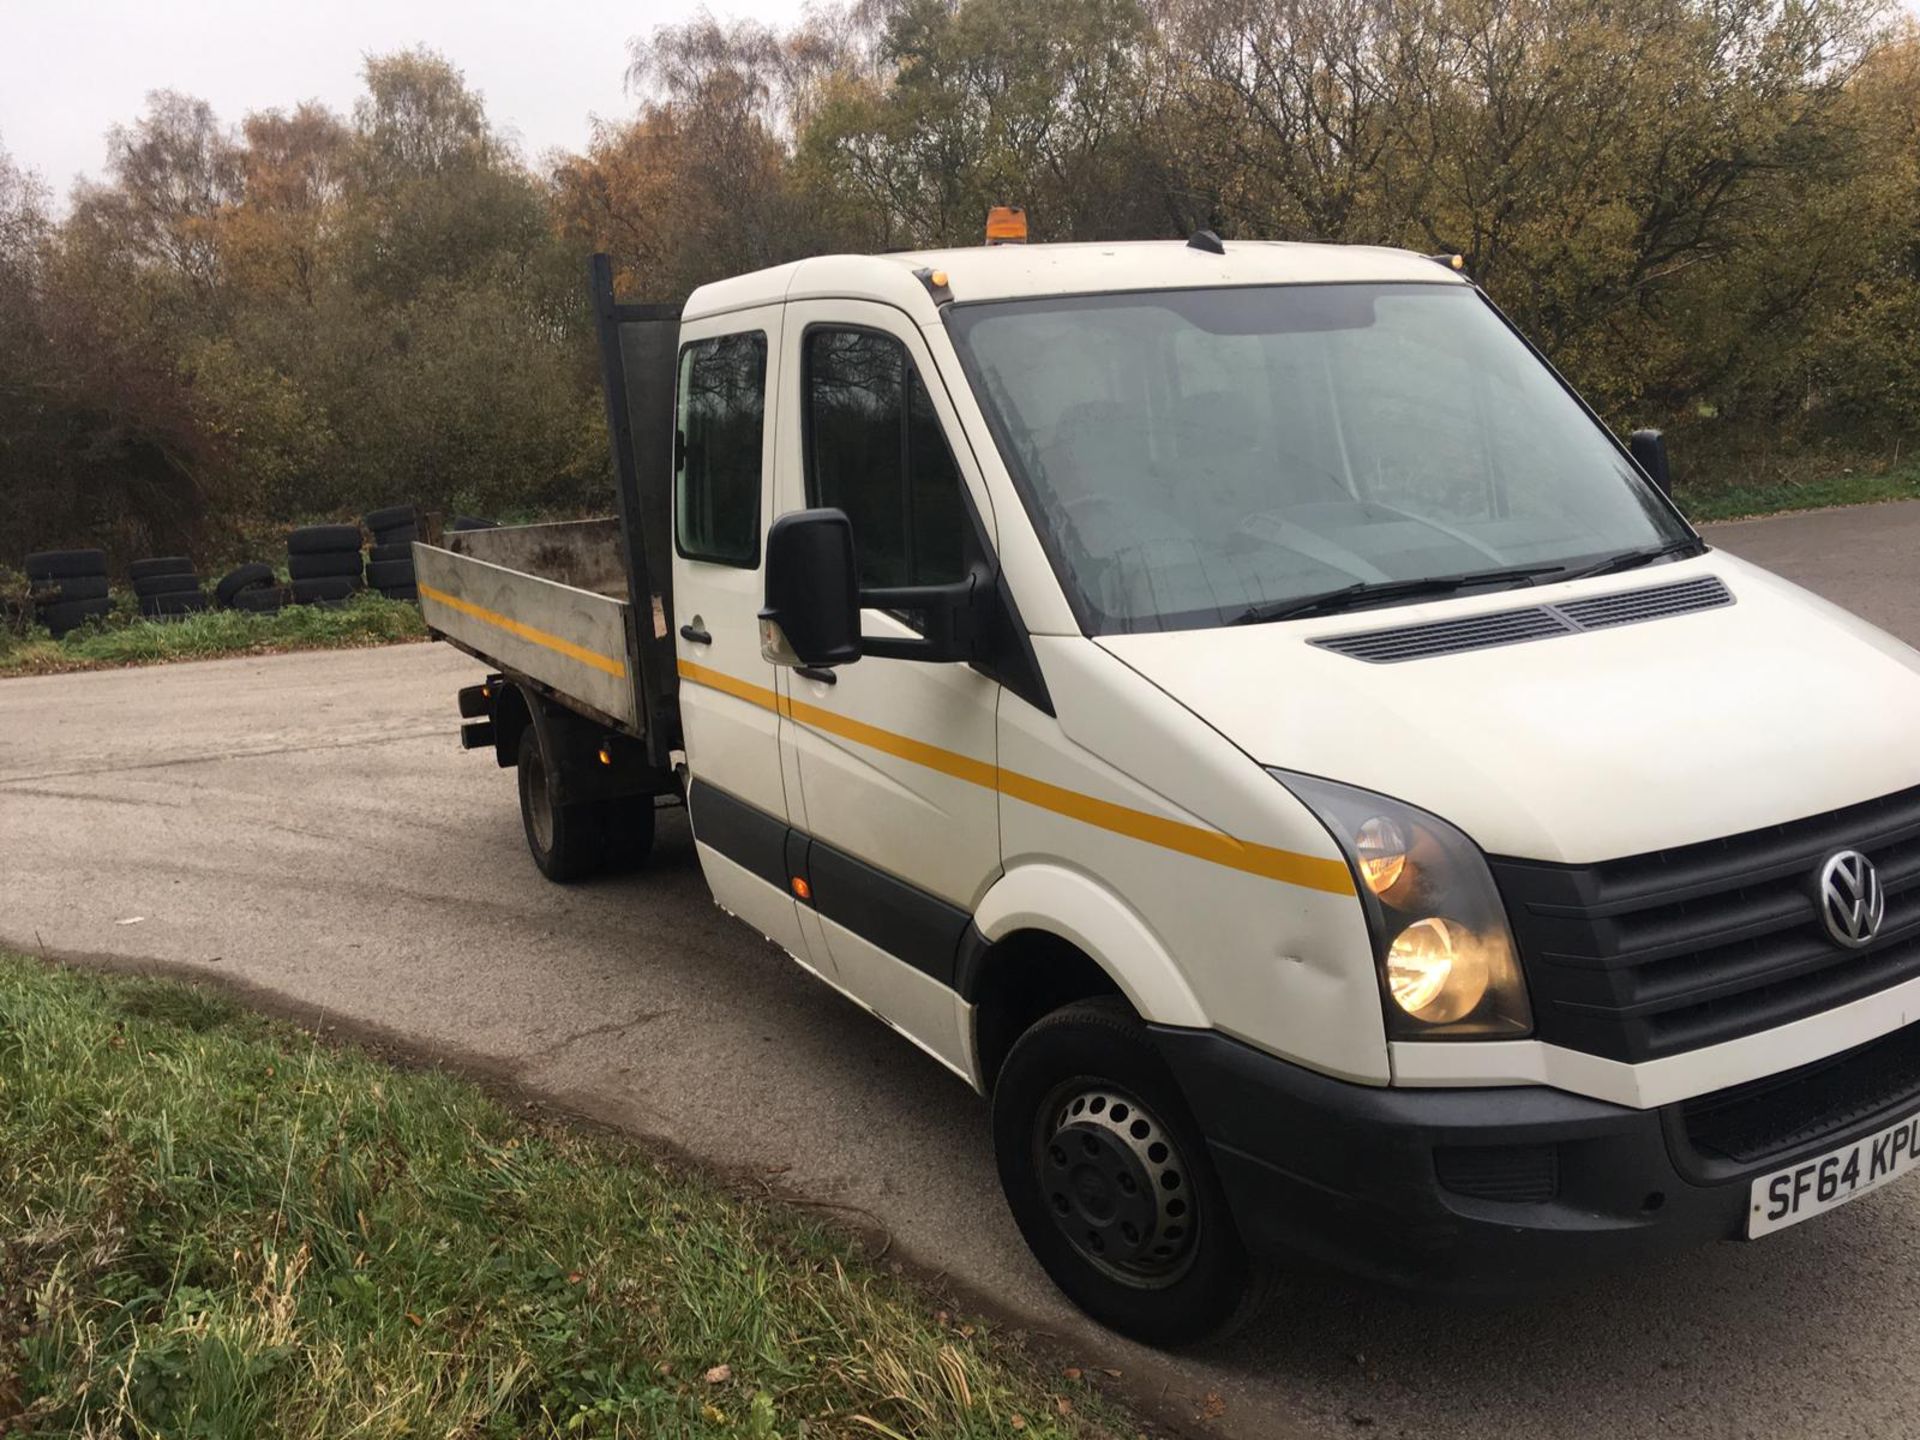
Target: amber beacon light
1006 225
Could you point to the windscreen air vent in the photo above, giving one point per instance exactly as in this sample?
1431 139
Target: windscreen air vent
1601 611
1449 637
1537 622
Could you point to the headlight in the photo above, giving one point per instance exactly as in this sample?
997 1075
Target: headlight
1380 852
1448 969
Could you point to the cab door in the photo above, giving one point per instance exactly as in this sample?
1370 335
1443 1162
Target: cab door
894 758
726 440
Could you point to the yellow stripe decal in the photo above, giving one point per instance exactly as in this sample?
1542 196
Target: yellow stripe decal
593 658
1310 871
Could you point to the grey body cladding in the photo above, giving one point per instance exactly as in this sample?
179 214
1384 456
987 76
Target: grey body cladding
905 921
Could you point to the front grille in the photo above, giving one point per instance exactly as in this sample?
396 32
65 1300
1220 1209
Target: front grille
1801 1108
1649 956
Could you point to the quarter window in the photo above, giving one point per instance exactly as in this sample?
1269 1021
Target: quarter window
875 450
717 449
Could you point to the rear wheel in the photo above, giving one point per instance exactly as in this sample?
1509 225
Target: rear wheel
569 842
628 823
1110 1182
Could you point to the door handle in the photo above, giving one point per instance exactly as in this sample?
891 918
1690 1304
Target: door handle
816 674
697 636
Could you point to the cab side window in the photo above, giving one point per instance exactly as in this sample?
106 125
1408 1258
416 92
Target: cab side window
875 450
717 449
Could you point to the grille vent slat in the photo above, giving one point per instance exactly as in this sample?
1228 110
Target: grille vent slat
1536 622
1654 954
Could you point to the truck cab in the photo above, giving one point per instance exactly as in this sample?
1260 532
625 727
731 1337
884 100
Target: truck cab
1238 708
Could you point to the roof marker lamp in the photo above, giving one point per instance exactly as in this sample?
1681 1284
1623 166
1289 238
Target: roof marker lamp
1447 965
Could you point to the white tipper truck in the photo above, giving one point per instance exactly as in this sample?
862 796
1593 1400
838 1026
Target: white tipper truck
1236 706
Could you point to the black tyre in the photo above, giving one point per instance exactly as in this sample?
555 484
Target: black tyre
59 564
316 539
174 603
628 825
391 518
261 599
569 842
328 591
467 522
154 585
1110 1182
244 577
325 565
384 554
75 587
161 565
409 593
65 615
384 574
399 536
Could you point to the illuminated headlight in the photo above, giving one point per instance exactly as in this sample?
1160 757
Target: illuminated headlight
1448 969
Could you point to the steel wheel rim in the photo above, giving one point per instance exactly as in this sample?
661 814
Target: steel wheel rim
1115 1184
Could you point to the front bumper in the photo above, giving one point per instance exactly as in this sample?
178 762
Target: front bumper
1471 1191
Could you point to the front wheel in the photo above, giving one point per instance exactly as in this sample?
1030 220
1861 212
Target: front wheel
1109 1180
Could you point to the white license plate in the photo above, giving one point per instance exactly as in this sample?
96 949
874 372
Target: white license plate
1813 1187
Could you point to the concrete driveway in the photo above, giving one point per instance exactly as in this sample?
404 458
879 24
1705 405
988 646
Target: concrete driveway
305 825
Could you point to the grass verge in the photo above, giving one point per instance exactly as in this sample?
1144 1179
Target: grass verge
367 619
1739 502
213 1225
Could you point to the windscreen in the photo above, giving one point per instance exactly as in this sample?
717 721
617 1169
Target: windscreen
1190 456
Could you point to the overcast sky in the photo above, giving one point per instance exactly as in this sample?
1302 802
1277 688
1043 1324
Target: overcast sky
71 68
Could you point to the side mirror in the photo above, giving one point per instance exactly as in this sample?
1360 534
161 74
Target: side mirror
1649 451
812 614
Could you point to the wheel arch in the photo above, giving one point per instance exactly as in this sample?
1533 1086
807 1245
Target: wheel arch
1045 936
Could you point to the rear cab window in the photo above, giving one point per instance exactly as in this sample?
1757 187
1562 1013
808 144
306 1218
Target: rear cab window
720 423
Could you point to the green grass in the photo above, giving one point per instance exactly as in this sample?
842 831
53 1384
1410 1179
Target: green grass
212 1225
1733 502
121 639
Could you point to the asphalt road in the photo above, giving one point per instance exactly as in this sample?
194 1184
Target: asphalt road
306 826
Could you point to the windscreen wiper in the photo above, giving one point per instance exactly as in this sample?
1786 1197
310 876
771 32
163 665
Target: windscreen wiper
1633 559
1366 592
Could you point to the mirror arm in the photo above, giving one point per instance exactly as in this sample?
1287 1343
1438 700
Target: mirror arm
949 615
918 597
889 647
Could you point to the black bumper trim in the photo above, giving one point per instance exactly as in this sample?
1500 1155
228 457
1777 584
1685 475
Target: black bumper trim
1343 1175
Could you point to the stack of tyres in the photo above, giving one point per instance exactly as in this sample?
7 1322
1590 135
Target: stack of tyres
251 587
167 586
325 563
69 587
390 561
